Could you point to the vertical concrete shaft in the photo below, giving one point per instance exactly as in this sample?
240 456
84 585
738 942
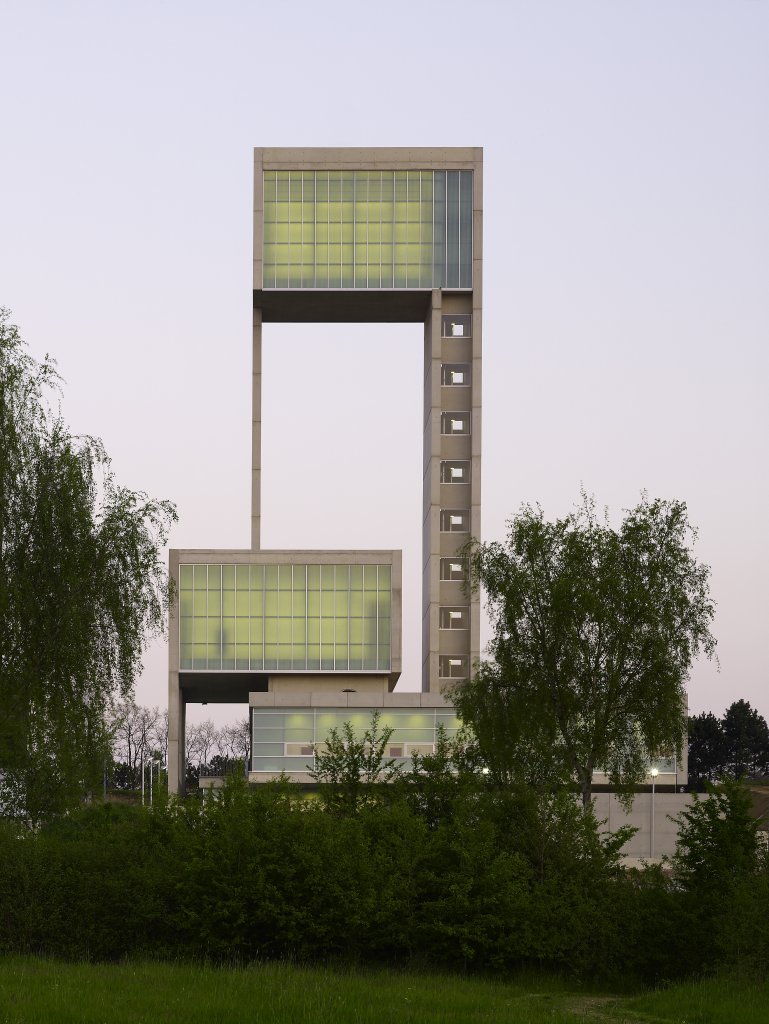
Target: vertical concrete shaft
443 496
256 432
177 714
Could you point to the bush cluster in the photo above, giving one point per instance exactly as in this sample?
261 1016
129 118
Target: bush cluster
446 873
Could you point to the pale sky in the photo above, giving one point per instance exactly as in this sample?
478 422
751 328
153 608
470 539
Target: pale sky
626 249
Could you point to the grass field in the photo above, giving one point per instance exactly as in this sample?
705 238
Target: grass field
34 991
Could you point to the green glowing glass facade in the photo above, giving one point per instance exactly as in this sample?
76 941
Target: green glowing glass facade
282 738
368 229
284 617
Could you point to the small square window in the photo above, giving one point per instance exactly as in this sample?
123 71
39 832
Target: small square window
454 618
453 569
452 666
455 423
457 325
455 375
455 520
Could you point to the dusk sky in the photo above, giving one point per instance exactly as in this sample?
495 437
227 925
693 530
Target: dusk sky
626 260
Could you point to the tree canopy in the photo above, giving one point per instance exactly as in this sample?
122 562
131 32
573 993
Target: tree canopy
594 633
733 746
82 588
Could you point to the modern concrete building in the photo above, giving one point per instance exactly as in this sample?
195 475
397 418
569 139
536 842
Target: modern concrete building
311 639
364 236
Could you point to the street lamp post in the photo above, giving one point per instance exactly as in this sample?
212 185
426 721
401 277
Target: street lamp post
654 773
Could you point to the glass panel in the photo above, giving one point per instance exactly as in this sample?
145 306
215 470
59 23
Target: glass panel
452 229
439 227
369 577
300 577
327 577
466 229
362 207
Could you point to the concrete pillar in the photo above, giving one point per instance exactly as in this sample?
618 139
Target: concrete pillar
177 715
256 432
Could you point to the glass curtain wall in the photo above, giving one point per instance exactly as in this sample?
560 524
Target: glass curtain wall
290 617
368 229
283 738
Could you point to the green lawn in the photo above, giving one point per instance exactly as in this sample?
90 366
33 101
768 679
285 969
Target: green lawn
33 991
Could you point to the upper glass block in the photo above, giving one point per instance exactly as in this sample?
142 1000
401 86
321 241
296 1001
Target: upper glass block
312 618
368 229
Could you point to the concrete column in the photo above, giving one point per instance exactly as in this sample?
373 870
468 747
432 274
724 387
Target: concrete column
256 433
431 494
177 714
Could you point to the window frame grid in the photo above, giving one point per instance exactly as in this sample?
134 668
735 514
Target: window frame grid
441 253
341 650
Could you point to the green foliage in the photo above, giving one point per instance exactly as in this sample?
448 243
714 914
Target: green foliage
594 633
735 745
722 871
717 840
746 737
351 769
450 870
707 748
81 588
267 873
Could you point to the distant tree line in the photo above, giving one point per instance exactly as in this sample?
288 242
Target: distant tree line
138 741
735 745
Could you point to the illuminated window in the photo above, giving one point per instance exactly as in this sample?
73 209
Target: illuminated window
284 617
368 229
